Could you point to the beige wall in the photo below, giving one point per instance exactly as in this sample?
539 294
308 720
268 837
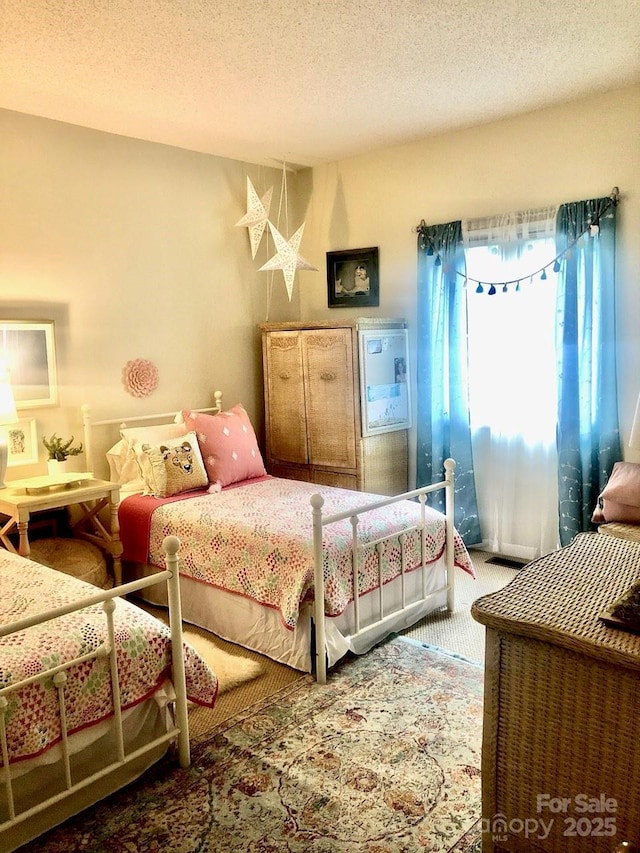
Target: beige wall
131 248
575 151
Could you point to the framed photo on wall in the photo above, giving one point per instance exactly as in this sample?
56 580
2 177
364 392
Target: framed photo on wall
22 442
352 278
27 349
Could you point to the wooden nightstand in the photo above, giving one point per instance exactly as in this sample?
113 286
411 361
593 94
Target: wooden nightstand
20 499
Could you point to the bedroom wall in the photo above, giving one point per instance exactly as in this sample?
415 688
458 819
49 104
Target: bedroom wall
575 151
131 248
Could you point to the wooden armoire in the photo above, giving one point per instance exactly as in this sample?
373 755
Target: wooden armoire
314 412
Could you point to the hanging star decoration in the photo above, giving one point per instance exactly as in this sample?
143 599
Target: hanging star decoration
257 215
287 257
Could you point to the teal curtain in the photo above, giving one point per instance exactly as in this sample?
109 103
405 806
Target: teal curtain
443 409
588 430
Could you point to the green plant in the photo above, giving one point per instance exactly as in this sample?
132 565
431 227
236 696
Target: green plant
59 449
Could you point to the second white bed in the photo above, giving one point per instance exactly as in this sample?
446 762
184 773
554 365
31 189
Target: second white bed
248 572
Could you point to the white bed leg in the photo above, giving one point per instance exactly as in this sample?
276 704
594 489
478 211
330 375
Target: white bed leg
317 502
449 467
171 545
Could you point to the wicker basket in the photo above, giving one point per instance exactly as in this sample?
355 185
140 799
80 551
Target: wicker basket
562 704
622 531
73 557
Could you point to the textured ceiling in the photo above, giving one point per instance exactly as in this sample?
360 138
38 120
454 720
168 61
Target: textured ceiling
306 81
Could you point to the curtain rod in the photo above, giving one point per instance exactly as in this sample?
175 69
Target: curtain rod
614 196
592 227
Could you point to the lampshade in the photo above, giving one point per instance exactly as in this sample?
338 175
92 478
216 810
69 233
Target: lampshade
634 438
8 415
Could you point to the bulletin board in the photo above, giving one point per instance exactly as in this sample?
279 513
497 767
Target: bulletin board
384 380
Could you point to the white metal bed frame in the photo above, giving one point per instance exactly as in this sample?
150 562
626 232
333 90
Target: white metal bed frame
179 732
358 549
320 522
176 417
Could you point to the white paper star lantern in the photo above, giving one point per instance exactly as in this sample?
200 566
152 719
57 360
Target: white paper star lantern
257 215
287 257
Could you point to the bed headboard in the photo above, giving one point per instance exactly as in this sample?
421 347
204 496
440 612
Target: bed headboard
100 435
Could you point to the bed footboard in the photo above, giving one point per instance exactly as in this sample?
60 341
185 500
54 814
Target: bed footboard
68 787
320 522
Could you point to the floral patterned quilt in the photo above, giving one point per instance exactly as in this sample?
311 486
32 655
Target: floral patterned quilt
256 540
143 652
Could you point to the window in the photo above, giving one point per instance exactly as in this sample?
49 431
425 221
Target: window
512 359
540 354
513 396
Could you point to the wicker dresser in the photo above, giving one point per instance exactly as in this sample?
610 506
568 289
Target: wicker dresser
313 411
561 741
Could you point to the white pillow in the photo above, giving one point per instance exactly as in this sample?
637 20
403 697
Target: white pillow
123 457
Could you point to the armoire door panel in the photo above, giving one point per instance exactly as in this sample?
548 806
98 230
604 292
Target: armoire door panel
291 472
287 431
329 395
335 478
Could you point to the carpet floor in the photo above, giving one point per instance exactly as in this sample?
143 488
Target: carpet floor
458 631
384 758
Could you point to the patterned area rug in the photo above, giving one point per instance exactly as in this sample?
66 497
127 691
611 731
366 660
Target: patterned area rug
385 758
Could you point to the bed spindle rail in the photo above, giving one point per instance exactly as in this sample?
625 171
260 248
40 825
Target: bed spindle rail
59 681
5 758
449 468
107 650
402 539
380 548
359 550
357 561
88 424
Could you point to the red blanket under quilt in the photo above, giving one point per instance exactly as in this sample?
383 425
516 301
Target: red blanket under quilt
134 516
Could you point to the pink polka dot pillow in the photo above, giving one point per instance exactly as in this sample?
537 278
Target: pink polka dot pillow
228 445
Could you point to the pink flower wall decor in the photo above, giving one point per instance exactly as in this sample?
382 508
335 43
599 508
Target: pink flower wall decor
140 377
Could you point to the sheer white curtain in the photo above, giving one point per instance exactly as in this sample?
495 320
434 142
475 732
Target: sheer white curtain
512 377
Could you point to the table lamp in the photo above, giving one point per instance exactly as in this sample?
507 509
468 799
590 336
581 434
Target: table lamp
8 415
634 438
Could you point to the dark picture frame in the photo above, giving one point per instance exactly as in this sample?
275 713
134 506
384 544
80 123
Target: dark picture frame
352 278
